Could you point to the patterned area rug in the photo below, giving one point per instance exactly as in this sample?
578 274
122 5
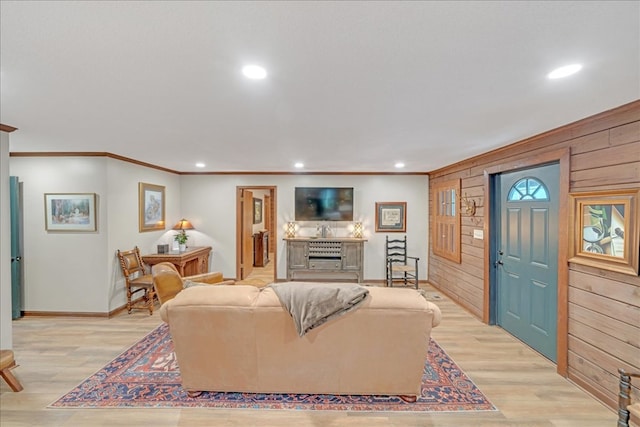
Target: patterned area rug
147 375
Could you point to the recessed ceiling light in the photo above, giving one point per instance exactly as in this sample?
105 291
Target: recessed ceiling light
565 71
299 165
254 72
200 165
399 165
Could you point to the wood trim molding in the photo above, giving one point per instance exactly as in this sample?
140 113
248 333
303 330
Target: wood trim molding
302 173
89 154
152 166
273 239
7 128
80 314
563 157
63 314
562 350
486 229
569 131
605 399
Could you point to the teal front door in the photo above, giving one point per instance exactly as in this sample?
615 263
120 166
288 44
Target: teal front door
16 247
527 256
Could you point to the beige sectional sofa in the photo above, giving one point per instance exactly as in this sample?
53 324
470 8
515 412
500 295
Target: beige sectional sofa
239 338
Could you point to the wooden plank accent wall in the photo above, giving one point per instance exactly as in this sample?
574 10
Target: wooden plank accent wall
601 313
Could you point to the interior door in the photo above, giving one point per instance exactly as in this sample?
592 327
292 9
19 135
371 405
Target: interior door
267 214
246 235
15 203
527 258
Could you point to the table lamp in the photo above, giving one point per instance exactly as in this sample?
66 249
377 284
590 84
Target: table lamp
182 237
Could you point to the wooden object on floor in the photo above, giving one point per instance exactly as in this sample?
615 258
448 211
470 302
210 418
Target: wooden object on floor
626 408
7 363
137 279
193 261
401 268
261 248
324 258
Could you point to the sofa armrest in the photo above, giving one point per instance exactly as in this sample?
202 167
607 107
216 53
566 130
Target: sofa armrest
213 277
164 315
437 314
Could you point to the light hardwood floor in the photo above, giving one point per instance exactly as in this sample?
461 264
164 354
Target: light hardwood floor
261 276
55 354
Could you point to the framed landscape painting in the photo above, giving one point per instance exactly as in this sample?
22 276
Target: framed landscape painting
391 216
605 230
70 211
150 207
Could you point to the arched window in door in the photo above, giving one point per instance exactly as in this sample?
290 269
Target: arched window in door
528 189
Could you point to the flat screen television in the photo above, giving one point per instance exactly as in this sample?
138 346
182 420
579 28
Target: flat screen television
324 203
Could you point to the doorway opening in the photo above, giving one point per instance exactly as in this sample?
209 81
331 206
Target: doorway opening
256 235
525 241
492 250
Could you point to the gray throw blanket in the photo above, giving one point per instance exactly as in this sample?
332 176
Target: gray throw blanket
312 304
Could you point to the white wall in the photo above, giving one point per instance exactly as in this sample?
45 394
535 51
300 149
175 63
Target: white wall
6 334
209 201
62 271
78 271
122 212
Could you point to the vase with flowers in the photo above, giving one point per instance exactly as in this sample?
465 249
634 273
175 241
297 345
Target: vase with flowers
181 238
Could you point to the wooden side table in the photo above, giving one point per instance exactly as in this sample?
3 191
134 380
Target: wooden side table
194 260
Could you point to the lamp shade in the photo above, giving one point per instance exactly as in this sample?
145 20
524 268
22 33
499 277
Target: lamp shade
291 229
357 230
183 224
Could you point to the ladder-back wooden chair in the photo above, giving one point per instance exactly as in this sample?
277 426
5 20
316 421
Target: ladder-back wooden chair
137 280
401 268
628 407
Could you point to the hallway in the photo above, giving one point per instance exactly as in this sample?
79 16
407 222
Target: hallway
260 276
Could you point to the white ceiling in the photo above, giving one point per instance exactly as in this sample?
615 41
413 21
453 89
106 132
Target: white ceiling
352 86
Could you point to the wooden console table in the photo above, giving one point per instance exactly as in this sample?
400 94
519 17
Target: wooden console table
325 258
193 261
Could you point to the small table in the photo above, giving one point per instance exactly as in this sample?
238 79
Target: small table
194 260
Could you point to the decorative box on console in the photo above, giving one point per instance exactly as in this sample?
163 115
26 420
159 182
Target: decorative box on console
163 249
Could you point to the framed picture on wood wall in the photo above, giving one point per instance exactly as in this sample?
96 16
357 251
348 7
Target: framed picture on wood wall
150 207
391 216
605 230
70 211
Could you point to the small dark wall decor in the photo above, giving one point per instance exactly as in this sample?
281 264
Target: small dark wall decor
257 210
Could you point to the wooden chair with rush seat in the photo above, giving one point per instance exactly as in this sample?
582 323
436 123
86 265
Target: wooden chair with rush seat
401 268
137 280
628 407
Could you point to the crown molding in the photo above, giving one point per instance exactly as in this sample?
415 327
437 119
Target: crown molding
149 165
7 128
